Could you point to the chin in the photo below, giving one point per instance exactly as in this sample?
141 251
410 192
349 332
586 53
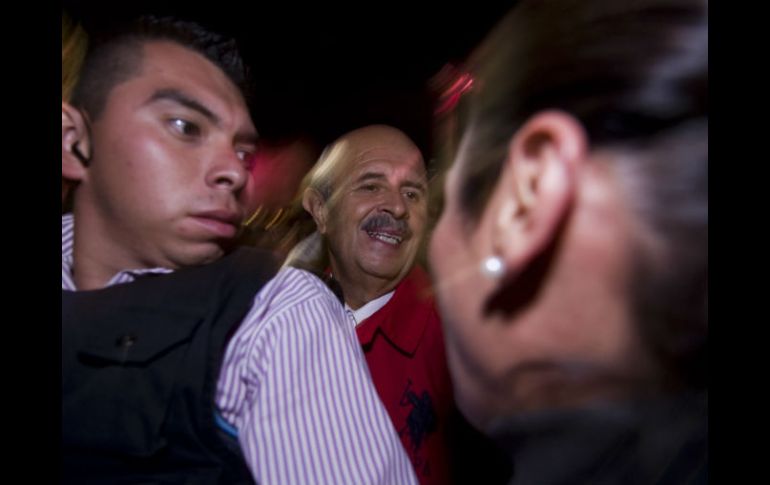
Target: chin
474 410
389 271
204 254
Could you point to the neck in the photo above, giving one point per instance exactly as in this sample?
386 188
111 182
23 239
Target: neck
361 291
94 254
90 269
87 273
356 296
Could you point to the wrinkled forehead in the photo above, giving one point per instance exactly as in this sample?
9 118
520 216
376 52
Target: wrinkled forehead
382 150
386 158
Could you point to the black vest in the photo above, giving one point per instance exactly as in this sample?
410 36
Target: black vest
140 363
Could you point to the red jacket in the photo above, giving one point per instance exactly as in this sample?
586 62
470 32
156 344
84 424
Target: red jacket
404 347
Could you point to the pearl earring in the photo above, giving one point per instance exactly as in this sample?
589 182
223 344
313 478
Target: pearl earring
493 267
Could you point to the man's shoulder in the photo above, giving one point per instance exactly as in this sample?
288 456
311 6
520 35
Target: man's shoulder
295 295
291 295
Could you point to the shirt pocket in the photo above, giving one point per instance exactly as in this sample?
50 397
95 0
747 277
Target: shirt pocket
123 382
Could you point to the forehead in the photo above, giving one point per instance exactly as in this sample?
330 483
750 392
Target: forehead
400 161
168 65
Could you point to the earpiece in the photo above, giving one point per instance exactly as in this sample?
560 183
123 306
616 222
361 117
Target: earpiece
79 155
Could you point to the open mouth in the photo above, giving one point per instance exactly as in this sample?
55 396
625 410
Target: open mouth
391 239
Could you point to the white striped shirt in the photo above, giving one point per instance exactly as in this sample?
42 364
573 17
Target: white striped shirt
295 384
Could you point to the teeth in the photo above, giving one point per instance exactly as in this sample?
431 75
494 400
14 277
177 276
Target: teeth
386 238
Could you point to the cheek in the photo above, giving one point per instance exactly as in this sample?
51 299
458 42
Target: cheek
251 198
459 285
342 224
435 248
419 220
444 246
350 214
358 211
135 159
446 256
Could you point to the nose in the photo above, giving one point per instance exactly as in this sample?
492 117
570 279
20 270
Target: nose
395 205
227 172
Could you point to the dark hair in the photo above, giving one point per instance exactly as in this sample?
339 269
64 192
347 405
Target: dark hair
635 74
117 55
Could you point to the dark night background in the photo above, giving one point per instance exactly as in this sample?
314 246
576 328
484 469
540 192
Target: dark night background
322 70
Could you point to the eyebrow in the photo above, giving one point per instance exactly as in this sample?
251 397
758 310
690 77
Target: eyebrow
415 185
185 100
379 176
177 96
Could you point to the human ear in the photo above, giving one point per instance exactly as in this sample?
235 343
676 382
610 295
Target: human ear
315 205
76 143
537 187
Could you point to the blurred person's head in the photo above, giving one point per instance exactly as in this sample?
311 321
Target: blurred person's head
158 139
367 196
571 257
280 221
278 168
74 43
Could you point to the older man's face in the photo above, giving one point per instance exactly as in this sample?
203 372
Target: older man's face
378 213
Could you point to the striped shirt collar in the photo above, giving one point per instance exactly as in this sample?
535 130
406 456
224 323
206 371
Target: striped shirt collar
67 243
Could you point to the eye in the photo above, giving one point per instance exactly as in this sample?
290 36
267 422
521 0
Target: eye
185 128
247 155
412 195
369 188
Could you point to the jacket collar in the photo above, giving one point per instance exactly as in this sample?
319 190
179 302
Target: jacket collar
404 318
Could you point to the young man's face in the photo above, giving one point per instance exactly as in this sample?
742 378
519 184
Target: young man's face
168 183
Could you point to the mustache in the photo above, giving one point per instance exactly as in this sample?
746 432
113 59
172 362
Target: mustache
386 222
